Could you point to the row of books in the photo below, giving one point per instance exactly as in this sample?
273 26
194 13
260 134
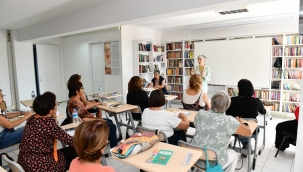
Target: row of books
188 54
292 74
189 63
175 63
177 88
275 41
174 46
180 95
291 97
293 63
292 86
275 95
294 40
187 71
293 51
156 67
189 45
143 58
145 47
290 108
277 52
158 58
275 107
158 48
172 55
275 84
175 71
232 92
144 69
175 79
276 74
261 94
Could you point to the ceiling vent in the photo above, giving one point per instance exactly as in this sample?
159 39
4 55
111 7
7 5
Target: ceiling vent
233 11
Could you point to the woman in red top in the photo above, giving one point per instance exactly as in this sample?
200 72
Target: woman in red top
37 148
288 126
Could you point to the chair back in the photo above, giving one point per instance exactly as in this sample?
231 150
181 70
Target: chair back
14 166
211 153
137 110
161 134
168 88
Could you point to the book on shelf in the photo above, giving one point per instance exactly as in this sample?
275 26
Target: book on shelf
293 51
175 63
276 74
143 58
144 69
158 48
186 54
187 71
158 58
290 108
233 92
156 68
275 95
275 107
189 63
277 52
292 74
191 54
174 46
189 45
177 88
261 94
160 157
175 79
275 41
145 47
291 86
291 97
275 84
293 63
295 39
174 71
174 55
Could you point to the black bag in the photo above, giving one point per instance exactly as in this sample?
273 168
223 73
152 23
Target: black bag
278 62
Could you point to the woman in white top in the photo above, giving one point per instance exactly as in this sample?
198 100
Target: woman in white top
194 98
158 119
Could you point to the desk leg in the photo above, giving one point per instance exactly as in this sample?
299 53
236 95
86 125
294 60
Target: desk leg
255 152
132 121
264 128
248 156
119 127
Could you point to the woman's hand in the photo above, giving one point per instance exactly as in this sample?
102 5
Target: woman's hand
182 115
239 119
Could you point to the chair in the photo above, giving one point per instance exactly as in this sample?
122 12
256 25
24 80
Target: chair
161 134
8 149
286 134
14 166
168 88
137 110
211 154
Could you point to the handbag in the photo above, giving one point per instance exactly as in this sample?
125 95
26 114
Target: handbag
215 168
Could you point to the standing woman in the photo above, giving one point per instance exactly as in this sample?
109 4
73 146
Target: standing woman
204 71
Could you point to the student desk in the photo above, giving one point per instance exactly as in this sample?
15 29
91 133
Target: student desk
27 103
190 117
174 164
1 169
105 96
125 108
168 99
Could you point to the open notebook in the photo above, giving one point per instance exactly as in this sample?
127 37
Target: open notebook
178 112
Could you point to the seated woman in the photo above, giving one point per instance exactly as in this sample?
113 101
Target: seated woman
39 141
90 142
194 98
288 126
245 106
156 118
158 82
214 129
9 136
136 96
76 91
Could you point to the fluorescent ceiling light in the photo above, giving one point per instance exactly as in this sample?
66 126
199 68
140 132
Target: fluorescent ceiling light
240 22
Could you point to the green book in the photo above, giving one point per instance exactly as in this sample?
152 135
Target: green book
160 157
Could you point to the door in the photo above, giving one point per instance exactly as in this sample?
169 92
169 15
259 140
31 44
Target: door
98 66
49 70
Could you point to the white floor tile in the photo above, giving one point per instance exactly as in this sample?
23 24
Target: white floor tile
127 168
114 163
282 156
277 165
268 170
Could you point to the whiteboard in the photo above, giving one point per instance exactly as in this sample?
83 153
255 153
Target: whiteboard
232 60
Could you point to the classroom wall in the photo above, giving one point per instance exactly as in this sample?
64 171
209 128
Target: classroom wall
128 34
4 74
232 31
25 81
77 59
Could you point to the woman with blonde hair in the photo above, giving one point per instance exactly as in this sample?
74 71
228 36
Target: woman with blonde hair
194 98
90 142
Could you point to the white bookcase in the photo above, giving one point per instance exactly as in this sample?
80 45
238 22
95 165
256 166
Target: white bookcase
148 57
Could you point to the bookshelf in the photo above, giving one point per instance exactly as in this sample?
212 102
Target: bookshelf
149 56
180 61
285 82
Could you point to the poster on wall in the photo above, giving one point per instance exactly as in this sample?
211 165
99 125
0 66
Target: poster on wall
111 58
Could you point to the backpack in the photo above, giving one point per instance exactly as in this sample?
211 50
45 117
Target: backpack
278 62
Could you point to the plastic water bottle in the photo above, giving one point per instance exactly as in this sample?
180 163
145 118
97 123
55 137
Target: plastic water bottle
76 120
100 90
33 95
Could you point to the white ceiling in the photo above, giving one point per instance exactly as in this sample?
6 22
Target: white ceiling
17 14
271 9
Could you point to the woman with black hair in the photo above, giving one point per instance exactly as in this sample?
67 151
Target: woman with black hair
38 147
245 105
158 82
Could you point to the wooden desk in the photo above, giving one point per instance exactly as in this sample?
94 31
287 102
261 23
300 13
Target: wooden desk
1 169
190 117
105 96
168 99
68 126
125 108
174 164
27 103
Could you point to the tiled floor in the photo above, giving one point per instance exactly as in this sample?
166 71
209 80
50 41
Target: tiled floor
266 162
